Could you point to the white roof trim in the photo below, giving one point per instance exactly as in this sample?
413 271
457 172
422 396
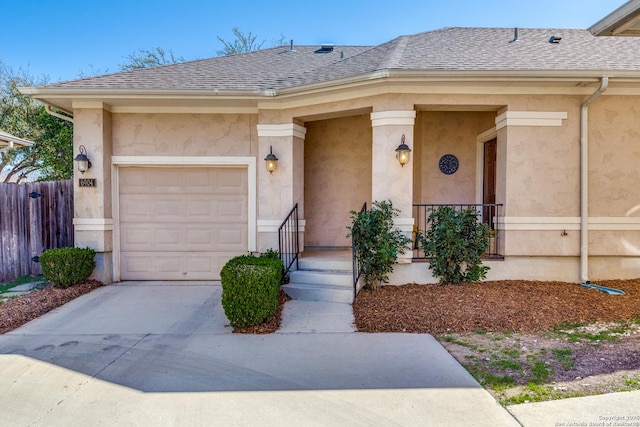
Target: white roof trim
620 21
8 140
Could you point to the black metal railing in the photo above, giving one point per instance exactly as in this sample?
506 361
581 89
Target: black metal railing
489 213
357 270
289 240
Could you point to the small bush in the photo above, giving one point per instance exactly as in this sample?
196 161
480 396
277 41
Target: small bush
250 287
455 243
66 267
377 242
270 253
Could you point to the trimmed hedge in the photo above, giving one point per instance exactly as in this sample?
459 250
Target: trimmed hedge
66 267
250 287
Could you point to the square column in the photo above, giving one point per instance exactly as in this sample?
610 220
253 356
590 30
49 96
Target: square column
279 191
390 180
93 223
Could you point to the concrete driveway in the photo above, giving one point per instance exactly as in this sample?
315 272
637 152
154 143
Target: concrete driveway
159 353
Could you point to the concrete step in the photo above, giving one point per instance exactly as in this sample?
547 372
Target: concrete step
316 292
326 263
322 277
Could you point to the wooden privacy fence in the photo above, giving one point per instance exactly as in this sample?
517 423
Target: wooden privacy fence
34 217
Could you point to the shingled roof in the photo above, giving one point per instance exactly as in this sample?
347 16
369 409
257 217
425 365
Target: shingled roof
448 50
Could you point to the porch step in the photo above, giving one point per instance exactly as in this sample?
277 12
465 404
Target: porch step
326 293
326 263
322 276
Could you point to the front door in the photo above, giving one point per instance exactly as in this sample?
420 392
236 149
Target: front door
489 192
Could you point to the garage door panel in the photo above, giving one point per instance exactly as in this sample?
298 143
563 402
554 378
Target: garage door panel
175 265
179 237
181 208
181 223
205 181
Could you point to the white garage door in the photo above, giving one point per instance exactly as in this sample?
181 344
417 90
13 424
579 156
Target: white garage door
181 223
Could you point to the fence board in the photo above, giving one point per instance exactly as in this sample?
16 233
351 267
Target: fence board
30 226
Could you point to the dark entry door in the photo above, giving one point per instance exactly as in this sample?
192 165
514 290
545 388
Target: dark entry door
489 192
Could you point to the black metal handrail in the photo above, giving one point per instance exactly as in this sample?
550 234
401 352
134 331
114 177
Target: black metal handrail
489 214
289 240
357 270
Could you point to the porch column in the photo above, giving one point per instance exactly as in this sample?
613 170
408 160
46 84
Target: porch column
279 191
93 220
390 180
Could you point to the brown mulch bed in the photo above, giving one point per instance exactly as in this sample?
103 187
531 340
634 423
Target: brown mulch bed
509 305
270 326
18 311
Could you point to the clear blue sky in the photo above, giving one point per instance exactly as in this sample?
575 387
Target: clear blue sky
61 38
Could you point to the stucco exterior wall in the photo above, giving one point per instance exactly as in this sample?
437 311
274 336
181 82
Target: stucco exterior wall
543 169
614 157
93 205
330 171
447 132
337 177
185 135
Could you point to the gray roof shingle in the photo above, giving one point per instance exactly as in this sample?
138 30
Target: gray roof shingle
444 50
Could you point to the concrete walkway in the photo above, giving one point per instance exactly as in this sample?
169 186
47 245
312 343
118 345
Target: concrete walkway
160 354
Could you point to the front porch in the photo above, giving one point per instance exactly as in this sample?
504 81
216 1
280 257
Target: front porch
332 274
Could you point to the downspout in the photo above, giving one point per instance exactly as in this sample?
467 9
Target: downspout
584 180
48 109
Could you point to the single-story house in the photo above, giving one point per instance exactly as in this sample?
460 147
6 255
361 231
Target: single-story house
538 127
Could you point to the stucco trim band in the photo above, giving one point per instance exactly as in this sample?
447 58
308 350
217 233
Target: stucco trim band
286 129
614 223
570 223
530 118
93 224
387 118
404 224
193 161
272 225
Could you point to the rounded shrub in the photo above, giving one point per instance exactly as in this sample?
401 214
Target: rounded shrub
455 242
66 267
250 287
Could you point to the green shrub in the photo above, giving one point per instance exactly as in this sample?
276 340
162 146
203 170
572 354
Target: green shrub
66 267
250 287
270 253
455 242
376 241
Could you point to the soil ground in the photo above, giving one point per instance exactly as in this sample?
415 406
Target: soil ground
523 341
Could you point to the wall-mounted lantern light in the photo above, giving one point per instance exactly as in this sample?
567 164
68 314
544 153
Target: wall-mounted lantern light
83 161
271 160
403 152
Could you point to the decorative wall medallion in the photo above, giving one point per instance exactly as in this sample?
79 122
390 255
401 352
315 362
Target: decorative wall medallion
448 164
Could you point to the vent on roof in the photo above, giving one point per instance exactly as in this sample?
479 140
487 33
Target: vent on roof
291 49
325 48
555 40
515 35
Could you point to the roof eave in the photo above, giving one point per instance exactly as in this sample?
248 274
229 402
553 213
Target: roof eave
42 91
466 76
618 21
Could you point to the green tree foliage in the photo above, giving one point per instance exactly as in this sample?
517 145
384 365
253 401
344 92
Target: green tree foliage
245 42
455 243
51 155
143 58
377 242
